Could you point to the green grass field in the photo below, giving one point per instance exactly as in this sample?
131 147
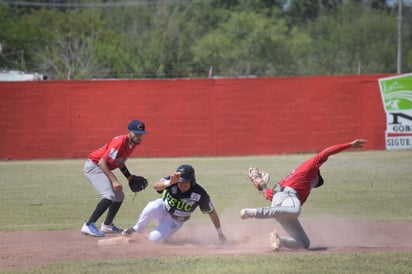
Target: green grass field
375 185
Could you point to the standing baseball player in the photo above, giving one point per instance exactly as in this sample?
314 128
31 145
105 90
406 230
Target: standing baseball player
289 195
181 196
98 169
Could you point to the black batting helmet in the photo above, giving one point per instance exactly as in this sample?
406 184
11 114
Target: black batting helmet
187 173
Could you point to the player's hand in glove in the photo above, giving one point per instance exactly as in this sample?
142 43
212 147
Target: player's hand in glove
259 178
137 183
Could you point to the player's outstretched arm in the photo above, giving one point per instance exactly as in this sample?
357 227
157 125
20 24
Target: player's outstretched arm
216 222
322 156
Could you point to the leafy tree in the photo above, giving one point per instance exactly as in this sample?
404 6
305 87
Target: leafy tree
156 39
351 41
19 39
305 11
247 44
159 46
69 44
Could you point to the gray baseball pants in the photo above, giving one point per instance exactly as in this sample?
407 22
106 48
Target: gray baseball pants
285 208
101 182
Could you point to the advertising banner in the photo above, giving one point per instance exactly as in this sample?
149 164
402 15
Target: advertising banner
396 95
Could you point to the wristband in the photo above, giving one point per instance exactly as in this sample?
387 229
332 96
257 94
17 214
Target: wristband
219 231
125 172
167 183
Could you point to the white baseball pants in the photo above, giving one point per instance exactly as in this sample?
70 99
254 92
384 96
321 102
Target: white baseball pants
166 224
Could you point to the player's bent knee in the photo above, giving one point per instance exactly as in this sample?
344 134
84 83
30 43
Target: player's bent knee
156 236
119 197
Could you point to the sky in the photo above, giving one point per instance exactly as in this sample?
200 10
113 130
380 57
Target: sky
405 2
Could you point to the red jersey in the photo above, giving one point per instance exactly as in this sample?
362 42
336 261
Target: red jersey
115 152
302 179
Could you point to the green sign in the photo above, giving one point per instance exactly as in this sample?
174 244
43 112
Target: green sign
397 92
396 95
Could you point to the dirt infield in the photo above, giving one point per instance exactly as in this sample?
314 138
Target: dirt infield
248 237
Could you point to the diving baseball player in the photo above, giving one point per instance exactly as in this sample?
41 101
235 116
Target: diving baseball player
289 195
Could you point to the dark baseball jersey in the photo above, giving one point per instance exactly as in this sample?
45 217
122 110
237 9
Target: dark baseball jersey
181 204
115 152
302 179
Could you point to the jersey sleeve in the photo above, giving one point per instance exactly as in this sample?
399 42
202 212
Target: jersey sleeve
205 204
112 150
322 156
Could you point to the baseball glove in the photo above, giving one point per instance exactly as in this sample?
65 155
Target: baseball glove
258 177
137 183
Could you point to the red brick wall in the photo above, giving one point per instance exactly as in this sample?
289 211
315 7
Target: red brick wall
190 117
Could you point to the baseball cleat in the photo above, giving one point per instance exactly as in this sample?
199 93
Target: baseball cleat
274 240
110 228
246 213
91 230
128 231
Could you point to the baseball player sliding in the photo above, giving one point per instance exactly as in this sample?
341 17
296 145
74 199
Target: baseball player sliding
181 196
289 195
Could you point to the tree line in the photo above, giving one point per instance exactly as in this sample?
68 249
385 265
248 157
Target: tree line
103 39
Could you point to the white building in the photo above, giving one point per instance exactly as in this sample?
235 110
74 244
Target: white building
15 75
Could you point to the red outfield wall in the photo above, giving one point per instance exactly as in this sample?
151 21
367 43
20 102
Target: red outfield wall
191 117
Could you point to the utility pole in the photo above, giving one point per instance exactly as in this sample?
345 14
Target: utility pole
399 53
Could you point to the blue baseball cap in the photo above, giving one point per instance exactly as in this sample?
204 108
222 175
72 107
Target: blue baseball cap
137 127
